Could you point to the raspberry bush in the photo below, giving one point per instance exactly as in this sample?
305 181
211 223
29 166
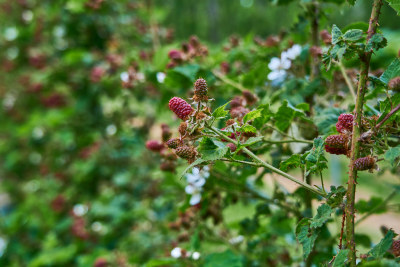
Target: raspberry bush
128 143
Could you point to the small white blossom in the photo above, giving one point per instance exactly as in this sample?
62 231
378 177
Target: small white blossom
196 181
236 240
196 255
124 76
80 209
293 52
176 253
278 66
161 77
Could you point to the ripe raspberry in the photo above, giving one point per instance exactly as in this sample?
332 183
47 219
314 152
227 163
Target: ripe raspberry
335 151
154 145
232 147
365 163
180 107
394 84
250 97
396 248
174 143
345 123
337 141
182 128
186 152
165 132
239 112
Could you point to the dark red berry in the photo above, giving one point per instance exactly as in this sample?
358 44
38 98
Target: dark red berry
345 122
200 87
250 97
154 145
396 248
335 151
174 143
239 112
337 141
175 55
237 101
232 147
365 163
180 107
326 37
394 84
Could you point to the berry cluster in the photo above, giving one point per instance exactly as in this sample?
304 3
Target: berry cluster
200 90
338 144
240 104
345 123
189 51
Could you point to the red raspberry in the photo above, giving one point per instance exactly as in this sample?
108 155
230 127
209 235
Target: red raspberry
186 152
394 84
335 151
232 147
365 163
174 143
100 262
175 55
337 141
345 123
396 248
180 107
154 145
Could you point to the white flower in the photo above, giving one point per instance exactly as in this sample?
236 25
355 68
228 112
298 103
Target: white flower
293 52
80 209
161 77
195 255
176 253
124 76
236 240
278 67
196 181
11 33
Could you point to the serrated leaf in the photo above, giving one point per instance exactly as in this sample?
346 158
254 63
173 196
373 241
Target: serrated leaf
392 71
196 162
353 35
323 214
253 140
336 34
189 71
341 258
395 4
316 151
220 112
306 236
247 129
383 246
392 155
252 115
335 197
293 162
212 149
376 42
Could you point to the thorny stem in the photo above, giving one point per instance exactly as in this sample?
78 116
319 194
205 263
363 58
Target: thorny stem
315 37
347 80
288 141
268 166
371 211
228 81
391 113
342 229
355 143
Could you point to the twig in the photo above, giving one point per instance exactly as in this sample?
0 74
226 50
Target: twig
391 113
342 229
228 81
347 80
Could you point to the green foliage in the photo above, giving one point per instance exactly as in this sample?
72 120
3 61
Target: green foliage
227 258
382 247
212 149
340 258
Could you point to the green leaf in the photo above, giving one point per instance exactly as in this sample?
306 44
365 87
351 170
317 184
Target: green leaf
353 35
306 236
391 72
189 71
293 162
212 149
196 162
336 34
383 246
323 214
335 197
76 6
316 151
220 112
376 42
253 140
160 262
247 129
341 258
392 155
395 4
285 114
227 258
252 115
195 241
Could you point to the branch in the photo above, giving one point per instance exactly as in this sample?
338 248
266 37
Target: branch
390 114
347 80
